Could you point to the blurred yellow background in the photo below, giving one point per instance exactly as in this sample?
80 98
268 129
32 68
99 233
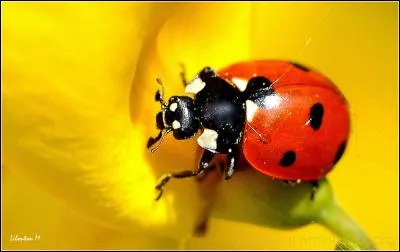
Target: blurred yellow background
60 58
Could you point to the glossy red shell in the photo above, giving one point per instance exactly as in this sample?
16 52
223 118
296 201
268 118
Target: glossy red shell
285 126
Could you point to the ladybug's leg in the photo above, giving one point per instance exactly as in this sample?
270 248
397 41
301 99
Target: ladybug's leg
203 174
315 186
153 140
203 165
233 157
183 75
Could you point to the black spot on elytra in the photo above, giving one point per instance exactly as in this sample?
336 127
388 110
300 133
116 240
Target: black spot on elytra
301 67
258 87
316 114
288 159
259 82
340 152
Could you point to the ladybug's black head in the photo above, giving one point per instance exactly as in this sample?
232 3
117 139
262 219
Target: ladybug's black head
177 115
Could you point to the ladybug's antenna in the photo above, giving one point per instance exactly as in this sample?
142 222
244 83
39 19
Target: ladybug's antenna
160 124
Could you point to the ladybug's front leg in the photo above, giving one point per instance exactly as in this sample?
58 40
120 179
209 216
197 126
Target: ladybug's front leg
183 75
233 157
203 165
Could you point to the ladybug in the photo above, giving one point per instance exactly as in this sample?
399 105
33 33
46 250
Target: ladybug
290 122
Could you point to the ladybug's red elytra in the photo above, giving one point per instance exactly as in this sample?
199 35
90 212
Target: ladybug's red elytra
291 122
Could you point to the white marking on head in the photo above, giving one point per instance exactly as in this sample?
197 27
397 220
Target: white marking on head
251 109
195 86
173 106
208 139
176 124
241 84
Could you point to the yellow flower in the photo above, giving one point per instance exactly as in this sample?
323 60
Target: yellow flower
78 88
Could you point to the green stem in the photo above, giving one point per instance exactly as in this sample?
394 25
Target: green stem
346 245
336 220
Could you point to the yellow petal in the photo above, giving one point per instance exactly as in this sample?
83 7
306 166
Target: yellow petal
33 213
67 75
